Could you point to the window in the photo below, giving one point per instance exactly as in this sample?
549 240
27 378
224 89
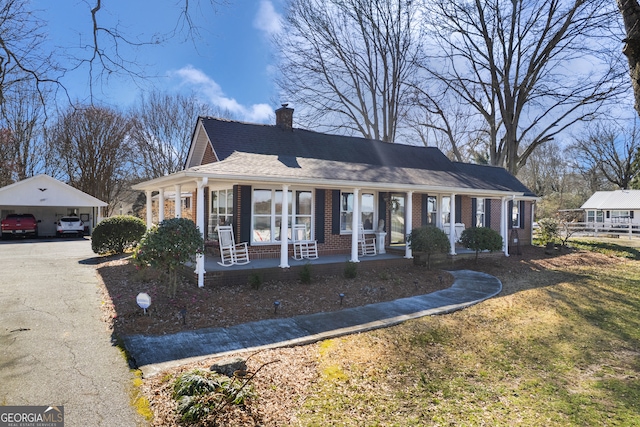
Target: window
221 212
303 209
620 216
515 215
267 214
432 210
595 216
367 211
479 212
446 209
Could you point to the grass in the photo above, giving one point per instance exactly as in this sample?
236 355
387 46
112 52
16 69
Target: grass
563 353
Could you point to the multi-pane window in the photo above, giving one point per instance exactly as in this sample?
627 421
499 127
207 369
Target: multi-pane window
221 209
595 216
515 215
367 203
620 216
432 210
480 213
267 214
446 209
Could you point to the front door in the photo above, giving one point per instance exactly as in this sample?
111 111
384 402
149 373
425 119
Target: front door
398 232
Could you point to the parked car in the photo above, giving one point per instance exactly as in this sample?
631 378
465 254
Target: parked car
19 225
70 225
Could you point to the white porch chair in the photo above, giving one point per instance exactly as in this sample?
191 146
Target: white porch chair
230 252
303 247
366 245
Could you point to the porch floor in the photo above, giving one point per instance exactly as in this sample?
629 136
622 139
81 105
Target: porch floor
269 268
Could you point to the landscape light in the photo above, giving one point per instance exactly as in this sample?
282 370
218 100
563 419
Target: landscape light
144 301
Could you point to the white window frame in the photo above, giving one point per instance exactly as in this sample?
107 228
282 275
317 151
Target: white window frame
515 214
432 210
275 214
215 208
445 215
346 212
480 212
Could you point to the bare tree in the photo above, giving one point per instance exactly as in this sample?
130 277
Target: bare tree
348 63
609 150
111 51
91 144
528 69
162 131
23 116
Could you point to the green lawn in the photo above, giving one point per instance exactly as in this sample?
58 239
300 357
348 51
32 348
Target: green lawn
560 346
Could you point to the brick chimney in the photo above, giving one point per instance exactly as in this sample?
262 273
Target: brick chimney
284 117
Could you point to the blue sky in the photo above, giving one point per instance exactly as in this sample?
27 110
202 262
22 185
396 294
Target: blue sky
230 65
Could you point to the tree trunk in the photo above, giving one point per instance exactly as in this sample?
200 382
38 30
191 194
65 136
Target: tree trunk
630 11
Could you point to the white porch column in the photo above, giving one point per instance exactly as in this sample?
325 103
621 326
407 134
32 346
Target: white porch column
284 228
161 205
149 209
504 225
200 224
177 199
355 224
452 224
408 221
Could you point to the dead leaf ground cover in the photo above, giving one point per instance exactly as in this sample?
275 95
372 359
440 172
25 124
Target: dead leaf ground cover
559 346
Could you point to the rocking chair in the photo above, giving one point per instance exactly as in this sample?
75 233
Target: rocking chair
230 252
302 247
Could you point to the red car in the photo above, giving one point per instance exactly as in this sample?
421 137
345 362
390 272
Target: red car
19 225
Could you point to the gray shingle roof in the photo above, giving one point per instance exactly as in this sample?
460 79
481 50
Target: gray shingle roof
250 149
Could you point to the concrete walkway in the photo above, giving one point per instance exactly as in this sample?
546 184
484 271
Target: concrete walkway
54 347
153 354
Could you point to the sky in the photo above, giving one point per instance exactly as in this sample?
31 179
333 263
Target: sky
230 65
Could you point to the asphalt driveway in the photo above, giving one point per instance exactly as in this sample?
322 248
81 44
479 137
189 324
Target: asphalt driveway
54 349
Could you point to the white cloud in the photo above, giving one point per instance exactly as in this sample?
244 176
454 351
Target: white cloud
267 19
209 89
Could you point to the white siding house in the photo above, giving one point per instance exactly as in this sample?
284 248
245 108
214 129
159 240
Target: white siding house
613 208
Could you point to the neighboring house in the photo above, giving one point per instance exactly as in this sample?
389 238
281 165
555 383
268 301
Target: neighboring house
239 173
611 208
48 200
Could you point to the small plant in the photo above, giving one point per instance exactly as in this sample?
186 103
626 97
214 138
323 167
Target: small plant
116 234
168 246
549 231
481 239
305 273
255 281
200 393
351 270
429 240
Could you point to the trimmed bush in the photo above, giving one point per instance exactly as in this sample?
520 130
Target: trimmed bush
168 246
429 240
116 234
481 239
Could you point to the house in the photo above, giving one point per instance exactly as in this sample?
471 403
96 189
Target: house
612 208
240 171
48 200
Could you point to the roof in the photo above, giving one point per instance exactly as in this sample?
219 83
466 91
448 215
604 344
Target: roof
255 152
43 190
274 168
266 139
618 199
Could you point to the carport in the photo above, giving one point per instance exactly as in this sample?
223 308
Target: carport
49 199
